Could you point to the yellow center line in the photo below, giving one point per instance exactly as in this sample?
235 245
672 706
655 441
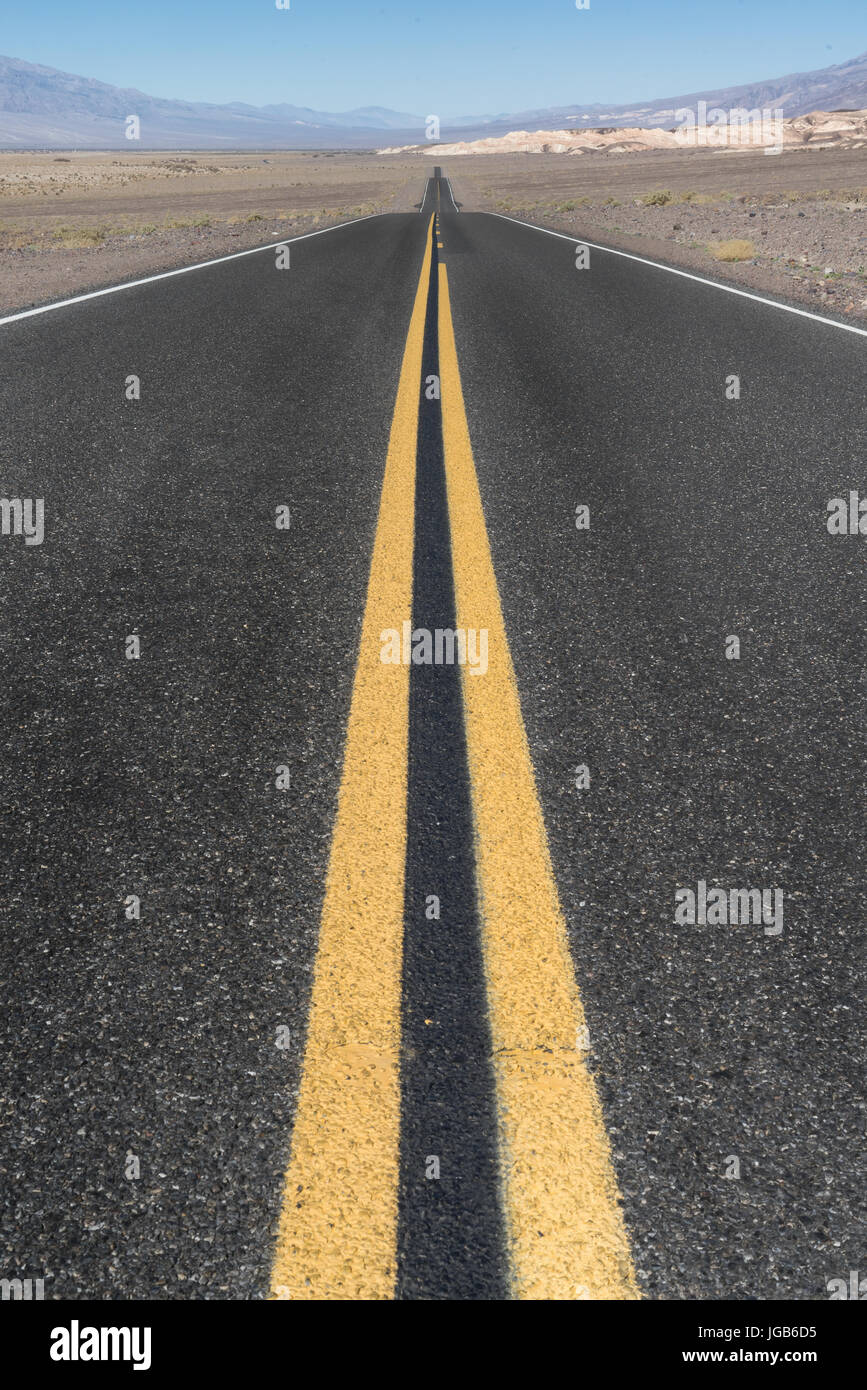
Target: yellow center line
337 1235
565 1230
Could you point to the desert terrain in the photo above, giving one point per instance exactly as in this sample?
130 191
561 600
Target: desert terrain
791 224
75 221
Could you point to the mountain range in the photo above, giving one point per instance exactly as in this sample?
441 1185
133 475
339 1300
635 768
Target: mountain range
41 107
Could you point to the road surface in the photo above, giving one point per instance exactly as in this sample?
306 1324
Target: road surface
410 1008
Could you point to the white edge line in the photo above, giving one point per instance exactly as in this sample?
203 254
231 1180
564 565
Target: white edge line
701 279
424 198
181 270
451 195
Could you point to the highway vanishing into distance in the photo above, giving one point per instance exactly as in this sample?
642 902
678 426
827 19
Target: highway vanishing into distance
432 778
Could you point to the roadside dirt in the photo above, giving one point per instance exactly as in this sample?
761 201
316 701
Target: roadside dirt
796 223
70 223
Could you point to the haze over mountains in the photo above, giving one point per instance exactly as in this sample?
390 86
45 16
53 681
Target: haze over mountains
41 107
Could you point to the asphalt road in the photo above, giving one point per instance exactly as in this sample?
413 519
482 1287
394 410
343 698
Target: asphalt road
151 1069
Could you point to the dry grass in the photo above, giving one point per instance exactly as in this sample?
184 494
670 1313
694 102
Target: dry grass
735 250
44 193
80 237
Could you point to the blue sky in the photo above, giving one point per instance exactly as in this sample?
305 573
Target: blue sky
455 57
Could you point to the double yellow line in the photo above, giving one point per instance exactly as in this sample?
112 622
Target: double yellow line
338 1226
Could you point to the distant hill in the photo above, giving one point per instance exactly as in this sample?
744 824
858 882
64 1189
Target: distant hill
41 107
842 130
841 87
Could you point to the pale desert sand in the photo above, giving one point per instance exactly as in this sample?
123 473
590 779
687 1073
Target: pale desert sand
710 129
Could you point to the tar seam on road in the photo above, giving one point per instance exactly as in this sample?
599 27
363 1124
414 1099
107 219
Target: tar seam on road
450 1233
338 1225
566 1235
686 275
